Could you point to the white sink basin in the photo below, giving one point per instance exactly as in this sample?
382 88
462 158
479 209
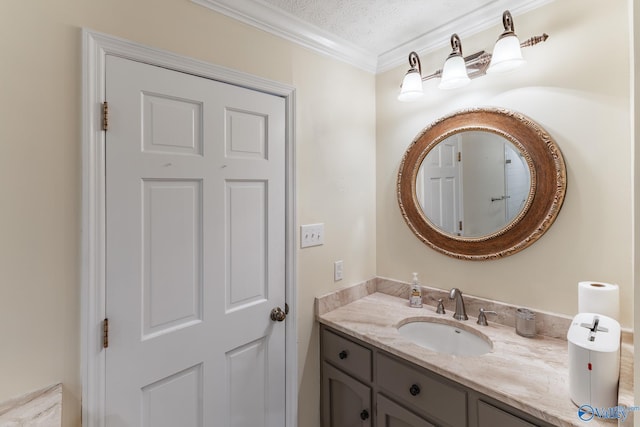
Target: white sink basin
446 338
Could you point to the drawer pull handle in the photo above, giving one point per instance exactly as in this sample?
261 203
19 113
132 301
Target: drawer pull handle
414 390
364 414
343 354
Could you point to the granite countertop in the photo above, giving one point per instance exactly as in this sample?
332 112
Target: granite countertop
530 374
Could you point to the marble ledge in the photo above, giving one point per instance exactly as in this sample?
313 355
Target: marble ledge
548 324
41 408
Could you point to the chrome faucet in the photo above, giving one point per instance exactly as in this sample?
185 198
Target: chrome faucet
461 313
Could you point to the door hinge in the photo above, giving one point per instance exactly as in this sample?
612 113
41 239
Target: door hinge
459 156
460 225
105 115
105 333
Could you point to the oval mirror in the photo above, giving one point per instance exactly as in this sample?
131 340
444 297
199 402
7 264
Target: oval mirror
481 183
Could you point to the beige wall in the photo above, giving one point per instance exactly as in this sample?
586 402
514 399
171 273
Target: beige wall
576 86
336 185
40 171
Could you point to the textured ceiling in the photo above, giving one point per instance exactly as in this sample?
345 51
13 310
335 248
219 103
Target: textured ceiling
375 35
379 26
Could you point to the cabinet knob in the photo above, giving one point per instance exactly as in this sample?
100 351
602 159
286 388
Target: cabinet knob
414 390
343 354
364 415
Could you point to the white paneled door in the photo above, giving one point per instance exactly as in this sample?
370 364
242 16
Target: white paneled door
195 232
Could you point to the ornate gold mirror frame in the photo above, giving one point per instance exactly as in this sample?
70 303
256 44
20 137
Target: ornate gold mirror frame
547 191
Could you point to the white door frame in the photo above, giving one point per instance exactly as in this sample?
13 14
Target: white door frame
95 47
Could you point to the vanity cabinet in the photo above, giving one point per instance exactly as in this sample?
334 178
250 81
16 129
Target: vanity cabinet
364 386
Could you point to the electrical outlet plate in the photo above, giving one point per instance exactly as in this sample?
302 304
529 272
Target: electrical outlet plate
311 235
337 271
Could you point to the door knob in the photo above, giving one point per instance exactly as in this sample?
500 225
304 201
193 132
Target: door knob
277 315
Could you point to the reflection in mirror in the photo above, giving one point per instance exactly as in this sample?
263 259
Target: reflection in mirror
473 184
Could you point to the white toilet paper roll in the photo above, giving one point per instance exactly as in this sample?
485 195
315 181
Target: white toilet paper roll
599 297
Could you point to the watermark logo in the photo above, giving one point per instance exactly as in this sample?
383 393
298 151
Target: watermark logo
587 412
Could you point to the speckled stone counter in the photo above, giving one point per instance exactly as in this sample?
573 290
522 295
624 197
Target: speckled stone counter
530 374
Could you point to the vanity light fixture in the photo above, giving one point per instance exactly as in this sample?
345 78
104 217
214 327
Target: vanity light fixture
458 70
507 54
412 84
454 71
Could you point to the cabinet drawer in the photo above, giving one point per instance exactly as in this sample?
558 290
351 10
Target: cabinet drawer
347 355
490 416
422 392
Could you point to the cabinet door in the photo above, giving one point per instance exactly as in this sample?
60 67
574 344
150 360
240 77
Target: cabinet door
392 415
490 416
346 402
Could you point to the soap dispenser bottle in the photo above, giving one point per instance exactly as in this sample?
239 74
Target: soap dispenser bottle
415 296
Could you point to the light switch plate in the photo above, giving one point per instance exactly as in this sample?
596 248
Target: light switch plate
311 235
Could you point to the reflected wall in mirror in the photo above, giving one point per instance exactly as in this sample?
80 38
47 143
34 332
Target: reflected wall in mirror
473 184
481 184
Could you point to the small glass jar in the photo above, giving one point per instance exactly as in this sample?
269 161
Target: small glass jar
525 322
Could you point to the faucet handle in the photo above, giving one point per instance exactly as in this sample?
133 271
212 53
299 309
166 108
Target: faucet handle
440 309
482 318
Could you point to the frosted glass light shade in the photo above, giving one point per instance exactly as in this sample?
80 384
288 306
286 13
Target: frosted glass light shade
411 86
507 55
454 73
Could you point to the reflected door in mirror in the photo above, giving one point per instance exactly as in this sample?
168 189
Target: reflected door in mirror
473 184
438 186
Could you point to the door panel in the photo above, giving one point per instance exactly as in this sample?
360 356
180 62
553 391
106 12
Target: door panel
195 250
246 380
247 243
161 409
247 134
172 246
171 125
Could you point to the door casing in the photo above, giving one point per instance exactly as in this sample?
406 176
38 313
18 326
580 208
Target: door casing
95 47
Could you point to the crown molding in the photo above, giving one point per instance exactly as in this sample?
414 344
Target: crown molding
271 19
283 24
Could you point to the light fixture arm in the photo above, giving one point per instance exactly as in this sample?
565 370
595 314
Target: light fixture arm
456 46
535 40
507 22
414 62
